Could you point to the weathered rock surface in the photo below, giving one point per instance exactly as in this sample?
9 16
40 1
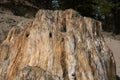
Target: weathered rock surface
57 45
8 21
29 3
24 8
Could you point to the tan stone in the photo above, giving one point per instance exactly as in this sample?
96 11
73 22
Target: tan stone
57 45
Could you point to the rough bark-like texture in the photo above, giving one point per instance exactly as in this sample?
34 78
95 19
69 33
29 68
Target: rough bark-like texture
57 45
8 21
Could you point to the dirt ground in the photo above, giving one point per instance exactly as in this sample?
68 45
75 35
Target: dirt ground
114 45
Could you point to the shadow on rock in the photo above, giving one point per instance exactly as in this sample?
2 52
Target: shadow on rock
117 77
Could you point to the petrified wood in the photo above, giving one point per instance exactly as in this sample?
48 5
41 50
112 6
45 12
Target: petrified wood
57 45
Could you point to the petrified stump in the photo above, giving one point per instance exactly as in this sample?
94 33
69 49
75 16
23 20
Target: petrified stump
57 45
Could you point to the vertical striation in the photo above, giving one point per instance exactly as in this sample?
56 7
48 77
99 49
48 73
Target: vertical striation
57 45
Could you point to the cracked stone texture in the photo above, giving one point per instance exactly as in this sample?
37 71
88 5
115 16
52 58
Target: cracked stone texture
57 45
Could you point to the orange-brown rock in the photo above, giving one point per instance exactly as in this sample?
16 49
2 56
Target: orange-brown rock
57 45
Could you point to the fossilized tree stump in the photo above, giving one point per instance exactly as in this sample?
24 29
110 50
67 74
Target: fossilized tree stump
57 45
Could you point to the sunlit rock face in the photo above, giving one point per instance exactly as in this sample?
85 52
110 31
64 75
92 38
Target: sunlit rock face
57 45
